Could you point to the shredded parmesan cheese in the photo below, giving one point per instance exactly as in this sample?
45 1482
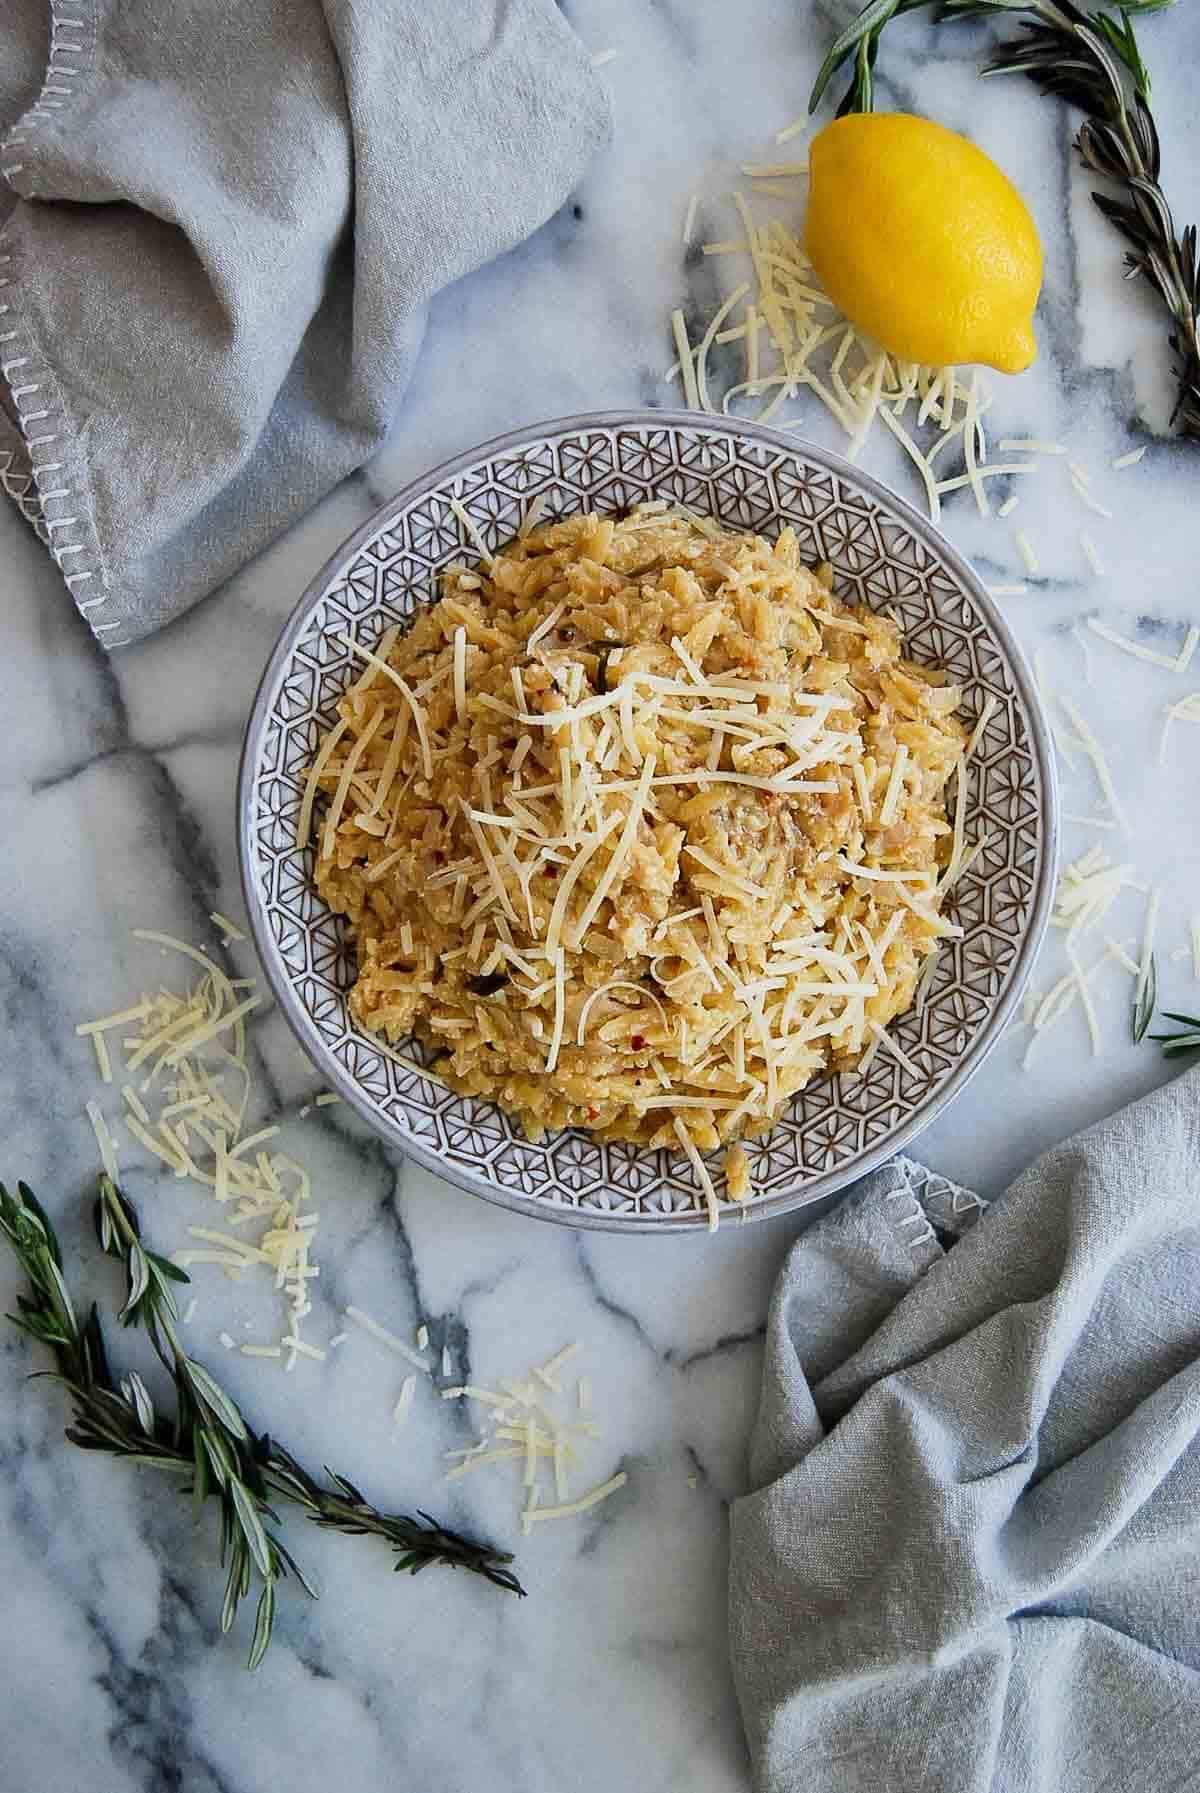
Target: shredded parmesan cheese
331 741
569 1509
990 705
1091 553
884 1038
856 383
1133 648
408 1389
891 796
469 530
686 364
387 1338
537 863
1030 445
1025 550
702 1176
460 673
522 1428
1095 753
189 1115
1086 497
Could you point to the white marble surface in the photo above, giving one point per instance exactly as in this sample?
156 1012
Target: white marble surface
116 809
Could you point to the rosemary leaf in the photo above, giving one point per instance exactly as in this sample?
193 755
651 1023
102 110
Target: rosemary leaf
263 1622
1187 1041
252 1527
1145 999
867 26
212 1396
207 1442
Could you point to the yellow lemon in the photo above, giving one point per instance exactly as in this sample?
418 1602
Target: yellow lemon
923 242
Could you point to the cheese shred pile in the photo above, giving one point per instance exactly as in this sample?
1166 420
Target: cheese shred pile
795 342
639 829
524 1424
1087 891
186 1092
778 340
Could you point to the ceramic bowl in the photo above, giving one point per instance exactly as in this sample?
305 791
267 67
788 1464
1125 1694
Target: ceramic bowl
884 555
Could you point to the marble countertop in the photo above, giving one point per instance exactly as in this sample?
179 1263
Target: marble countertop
116 809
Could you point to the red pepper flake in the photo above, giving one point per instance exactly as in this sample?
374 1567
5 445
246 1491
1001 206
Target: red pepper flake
550 871
593 1114
637 1042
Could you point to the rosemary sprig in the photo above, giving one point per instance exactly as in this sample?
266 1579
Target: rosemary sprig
1092 61
858 44
1187 1041
207 1441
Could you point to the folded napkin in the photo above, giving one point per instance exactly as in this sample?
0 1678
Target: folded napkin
972 1562
232 216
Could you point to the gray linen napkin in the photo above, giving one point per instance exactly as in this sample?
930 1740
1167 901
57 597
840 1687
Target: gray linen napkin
972 1562
232 217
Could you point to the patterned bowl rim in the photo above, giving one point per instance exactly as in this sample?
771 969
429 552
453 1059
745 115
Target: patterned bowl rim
924 1111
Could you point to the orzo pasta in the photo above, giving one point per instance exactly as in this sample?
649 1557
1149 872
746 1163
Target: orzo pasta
640 829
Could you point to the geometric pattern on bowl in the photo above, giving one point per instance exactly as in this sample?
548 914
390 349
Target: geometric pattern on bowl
883 554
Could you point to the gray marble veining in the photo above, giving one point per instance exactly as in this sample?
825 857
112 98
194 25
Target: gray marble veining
116 810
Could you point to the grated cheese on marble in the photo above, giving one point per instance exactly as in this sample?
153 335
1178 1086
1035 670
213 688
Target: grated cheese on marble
1026 550
531 1425
1186 710
1134 648
1086 892
569 1509
1095 754
384 1337
798 344
1091 553
408 1389
1085 495
1029 445
188 1110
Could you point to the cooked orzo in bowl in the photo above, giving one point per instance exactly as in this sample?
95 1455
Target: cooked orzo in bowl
376 594
639 829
